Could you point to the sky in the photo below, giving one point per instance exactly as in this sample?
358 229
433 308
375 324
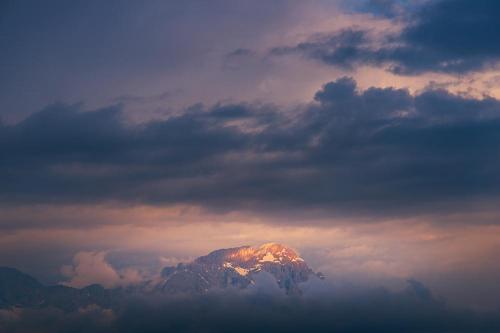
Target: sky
364 134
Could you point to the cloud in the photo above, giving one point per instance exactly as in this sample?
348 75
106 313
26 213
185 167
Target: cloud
413 309
92 268
137 99
265 284
438 36
377 152
460 34
48 320
384 8
341 49
170 46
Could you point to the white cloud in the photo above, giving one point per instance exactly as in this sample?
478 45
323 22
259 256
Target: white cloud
92 268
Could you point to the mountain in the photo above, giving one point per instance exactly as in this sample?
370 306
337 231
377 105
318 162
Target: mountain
238 268
18 289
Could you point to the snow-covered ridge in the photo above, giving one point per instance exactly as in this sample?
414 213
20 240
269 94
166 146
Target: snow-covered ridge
247 259
269 252
241 271
238 268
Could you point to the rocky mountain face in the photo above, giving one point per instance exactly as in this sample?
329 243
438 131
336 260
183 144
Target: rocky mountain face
237 268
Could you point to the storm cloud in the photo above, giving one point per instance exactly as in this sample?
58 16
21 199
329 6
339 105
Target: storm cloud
378 151
451 36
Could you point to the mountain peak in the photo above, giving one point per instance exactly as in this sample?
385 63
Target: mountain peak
280 252
250 256
237 267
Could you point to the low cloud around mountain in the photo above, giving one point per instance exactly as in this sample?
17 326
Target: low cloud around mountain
211 298
363 310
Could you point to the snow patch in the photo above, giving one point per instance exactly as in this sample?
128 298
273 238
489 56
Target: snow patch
240 270
268 258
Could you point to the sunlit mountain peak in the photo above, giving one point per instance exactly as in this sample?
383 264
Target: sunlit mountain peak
237 267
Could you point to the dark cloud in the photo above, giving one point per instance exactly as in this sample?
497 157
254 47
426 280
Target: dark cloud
378 151
385 8
374 310
391 9
462 34
136 99
455 36
342 49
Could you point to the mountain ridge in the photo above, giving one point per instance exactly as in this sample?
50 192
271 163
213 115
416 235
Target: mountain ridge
231 268
236 267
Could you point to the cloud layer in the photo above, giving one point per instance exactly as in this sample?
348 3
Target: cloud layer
379 150
414 309
351 151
